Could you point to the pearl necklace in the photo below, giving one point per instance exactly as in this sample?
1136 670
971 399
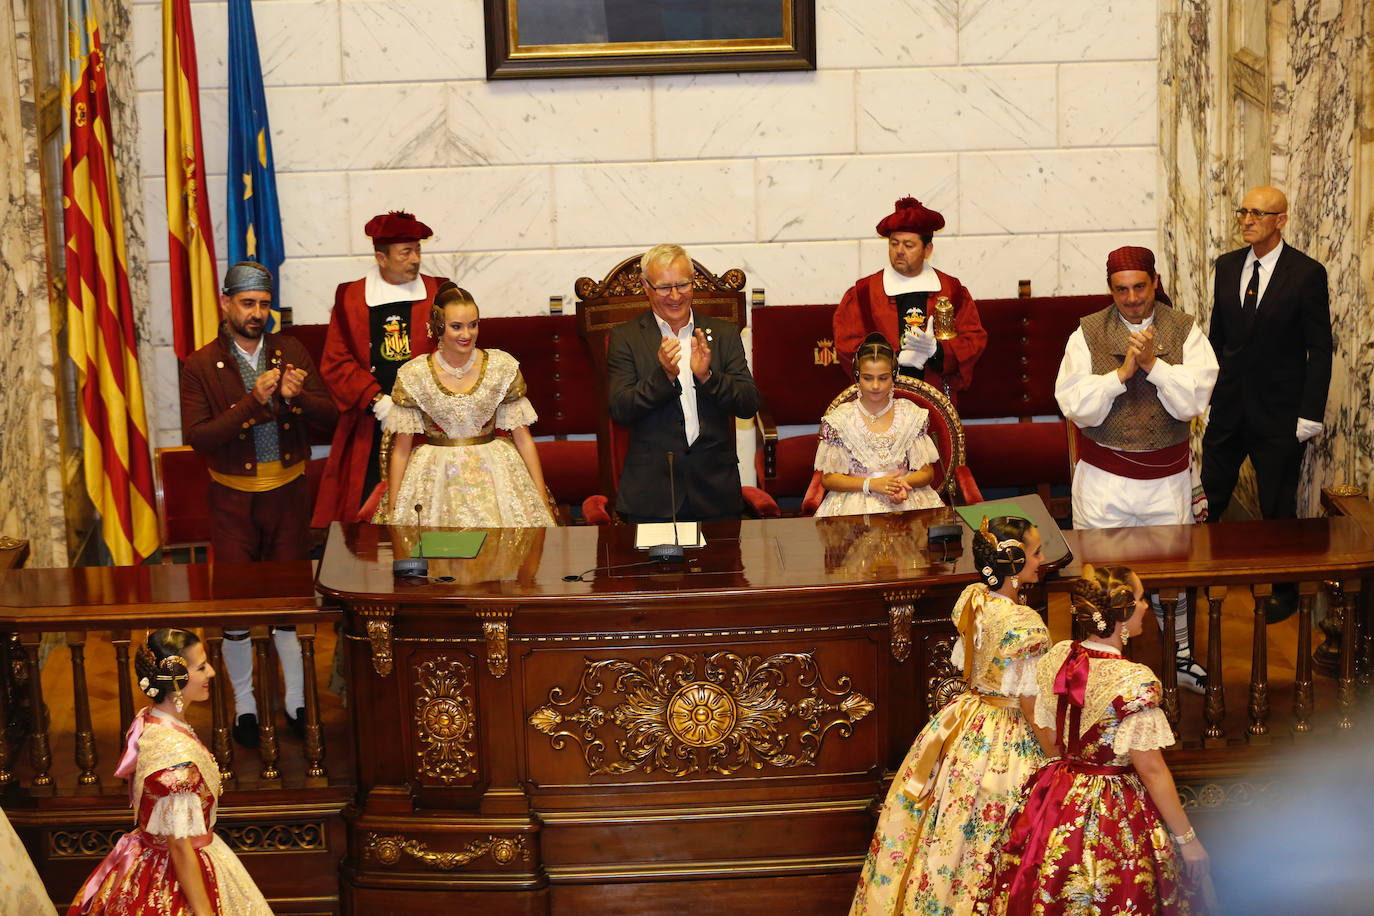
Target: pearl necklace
456 373
875 417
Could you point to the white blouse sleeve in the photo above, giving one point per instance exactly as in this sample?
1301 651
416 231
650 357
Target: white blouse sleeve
1084 397
1186 389
515 414
404 420
831 455
1018 680
1146 730
177 815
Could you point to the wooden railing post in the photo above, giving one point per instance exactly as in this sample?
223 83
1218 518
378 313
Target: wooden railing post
315 773
220 720
85 752
1258 733
1302 679
40 752
264 686
1168 600
1214 705
1345 683
120 639
6 776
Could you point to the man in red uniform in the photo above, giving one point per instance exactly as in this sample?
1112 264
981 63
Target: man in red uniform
377 324
899 300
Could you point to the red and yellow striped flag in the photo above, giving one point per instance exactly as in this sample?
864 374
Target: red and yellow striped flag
100 315
190 234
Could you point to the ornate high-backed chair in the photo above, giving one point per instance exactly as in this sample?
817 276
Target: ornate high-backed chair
616 299
953 480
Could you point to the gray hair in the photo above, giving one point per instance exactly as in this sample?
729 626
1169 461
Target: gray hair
246 276
663 254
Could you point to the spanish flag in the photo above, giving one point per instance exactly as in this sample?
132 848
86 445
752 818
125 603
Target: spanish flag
100 316
190 234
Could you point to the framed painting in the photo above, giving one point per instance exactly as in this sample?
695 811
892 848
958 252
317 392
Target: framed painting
542 38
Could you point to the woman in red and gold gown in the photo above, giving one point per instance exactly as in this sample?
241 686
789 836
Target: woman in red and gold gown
1100 831
171 863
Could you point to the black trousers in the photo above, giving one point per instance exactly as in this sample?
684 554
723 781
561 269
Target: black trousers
1277 462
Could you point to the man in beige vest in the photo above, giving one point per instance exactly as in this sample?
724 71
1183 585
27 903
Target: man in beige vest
1133 377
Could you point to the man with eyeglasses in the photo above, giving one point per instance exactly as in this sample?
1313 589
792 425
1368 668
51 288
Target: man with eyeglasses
899 300
1271 329
677 380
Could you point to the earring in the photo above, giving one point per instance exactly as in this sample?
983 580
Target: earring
1015 583
1125 638
177 702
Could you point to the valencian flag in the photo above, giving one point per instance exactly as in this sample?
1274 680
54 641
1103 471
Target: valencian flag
190 236
254 219
100 315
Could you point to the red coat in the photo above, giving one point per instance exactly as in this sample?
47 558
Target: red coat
866 308
344 366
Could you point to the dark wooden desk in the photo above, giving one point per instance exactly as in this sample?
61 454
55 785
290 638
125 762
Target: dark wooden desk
614 743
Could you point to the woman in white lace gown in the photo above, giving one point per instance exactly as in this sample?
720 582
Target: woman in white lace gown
874 454
457 472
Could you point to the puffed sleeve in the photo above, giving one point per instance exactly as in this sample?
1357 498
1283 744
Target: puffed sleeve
405 415
922 451
832 456
1021 648
515 410
178 811
1144 727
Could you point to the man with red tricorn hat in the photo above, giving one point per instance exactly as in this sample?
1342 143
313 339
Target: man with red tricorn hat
1133 377
900 300
378 323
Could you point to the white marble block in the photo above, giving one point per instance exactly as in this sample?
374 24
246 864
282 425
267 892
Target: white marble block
956 108
1015 31
864 34
1113 104
1057 191
388 41
1083 261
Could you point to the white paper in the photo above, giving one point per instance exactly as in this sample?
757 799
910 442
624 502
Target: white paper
652 534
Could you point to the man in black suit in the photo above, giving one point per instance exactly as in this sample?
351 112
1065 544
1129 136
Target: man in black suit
677 380
1271 330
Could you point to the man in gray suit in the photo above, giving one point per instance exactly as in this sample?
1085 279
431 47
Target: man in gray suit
677 380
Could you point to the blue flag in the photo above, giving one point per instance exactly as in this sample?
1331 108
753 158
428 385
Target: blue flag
254 226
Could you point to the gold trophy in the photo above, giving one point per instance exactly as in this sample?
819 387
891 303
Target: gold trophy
944 319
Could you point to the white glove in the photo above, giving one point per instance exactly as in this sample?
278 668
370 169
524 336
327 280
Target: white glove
1307 429
917 347
382 407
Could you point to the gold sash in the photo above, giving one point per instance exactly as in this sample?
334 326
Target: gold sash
954 718
432 439
270 476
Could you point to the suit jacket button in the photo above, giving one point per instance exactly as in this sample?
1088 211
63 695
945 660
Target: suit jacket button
245 424
286 457
219 364
286 426
243 435
248 465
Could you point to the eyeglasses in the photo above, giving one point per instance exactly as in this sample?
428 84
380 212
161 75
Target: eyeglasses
1242 213
671 287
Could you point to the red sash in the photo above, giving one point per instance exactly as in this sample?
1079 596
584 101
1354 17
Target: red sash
1151 465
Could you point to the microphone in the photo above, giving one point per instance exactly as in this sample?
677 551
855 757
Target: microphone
669 553
412 567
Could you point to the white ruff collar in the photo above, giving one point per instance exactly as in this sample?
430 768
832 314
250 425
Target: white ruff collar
377 291
894 284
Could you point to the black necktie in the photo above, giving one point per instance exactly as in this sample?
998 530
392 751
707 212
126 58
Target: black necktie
1251 300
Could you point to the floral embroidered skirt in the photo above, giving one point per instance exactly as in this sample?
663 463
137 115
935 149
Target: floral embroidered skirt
140 881
477 486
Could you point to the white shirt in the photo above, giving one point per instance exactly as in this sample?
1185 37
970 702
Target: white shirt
894 284
688 396
1266 271
253 359
377 291
1184 390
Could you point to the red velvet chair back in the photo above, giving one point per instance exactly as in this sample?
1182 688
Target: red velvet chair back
311 336
183 498
795 365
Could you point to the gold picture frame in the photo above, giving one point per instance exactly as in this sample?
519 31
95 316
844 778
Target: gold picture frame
550 38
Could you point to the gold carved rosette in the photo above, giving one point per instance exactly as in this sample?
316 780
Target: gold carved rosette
445 722
658 715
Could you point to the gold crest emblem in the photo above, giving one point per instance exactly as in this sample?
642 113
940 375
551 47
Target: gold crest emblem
395 344
80 114
825 352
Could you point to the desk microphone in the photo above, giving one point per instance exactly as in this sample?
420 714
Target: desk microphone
412 567
669 553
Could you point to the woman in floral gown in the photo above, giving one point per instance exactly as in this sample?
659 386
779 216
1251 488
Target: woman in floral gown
874 454
21 890
1100 831
172 863
948 802
461 474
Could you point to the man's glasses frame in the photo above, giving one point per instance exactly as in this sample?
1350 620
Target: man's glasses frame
1242 213
670 287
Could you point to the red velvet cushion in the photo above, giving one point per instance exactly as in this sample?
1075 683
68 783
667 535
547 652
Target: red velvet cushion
796 459
1018 454
570 469
759 503
796 376
1026 338
596 510
557 368
185 479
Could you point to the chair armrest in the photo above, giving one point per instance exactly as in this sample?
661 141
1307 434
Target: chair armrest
766 439
596 510
760 504
966 487
814 494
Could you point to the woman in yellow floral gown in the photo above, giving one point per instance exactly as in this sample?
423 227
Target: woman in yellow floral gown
171 863
1100 831
948 802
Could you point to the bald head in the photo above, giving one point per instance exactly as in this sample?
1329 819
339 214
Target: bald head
1263 214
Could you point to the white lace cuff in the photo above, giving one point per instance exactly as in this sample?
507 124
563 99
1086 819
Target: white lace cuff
177 815
831 459
1018 680
515 414
956 655
404 420
922 452
1045 708
1146 730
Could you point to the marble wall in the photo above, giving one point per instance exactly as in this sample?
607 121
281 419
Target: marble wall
1031 126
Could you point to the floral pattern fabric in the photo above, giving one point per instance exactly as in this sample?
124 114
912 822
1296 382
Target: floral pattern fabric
937 827
21 890
137 878
481 485
846 446
1087 840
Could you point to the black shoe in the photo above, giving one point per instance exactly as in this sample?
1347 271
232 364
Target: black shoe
297 723
246 730
1280 606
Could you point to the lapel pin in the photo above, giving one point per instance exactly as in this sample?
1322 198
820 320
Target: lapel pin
219 365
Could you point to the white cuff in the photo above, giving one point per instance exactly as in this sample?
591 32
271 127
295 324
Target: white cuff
1307 429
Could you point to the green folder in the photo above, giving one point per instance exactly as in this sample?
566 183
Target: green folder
461 544
973 515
